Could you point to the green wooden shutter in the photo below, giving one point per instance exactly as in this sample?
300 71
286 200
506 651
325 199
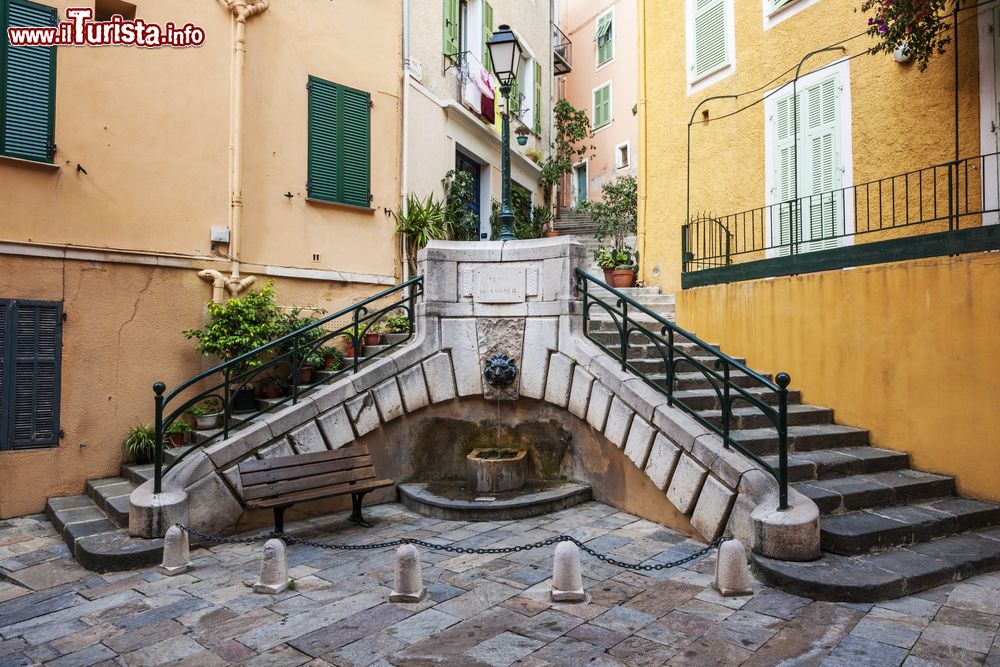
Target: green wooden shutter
27 85
31 335
537 105
775 4
824 207
487 34
784 209
339 143
710 52
451 27
602 106
515 93
605 39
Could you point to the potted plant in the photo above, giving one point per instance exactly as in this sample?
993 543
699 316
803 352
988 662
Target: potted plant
207 414
396 324
177 432
139 446
333 359
615 215
235 328
623 274
606 261
355 342
273 386
522 133
373 334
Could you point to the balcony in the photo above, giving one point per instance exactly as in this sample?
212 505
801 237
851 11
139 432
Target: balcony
562 51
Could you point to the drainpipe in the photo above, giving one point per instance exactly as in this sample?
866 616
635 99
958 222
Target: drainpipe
641 107
241 11
405 137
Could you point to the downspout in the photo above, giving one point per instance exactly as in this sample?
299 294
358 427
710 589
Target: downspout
641 108
405 138
241 11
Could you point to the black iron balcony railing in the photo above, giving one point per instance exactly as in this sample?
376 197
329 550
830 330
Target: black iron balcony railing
946 197
562 52
282 358
655 350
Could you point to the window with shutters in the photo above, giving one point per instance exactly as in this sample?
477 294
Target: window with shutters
776 11
602 106
808 210
710 39
536 107
604 36
30 351
339 144
27 85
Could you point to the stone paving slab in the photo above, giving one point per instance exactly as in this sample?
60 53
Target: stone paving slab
480 610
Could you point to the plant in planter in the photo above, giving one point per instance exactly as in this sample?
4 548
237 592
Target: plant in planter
570 145
273 386
207 414
355 342
917 29
615 215
623 274
239 326
333 359
522 133
395 324
604 257
177 432
421 221
139 446
461 219
373 334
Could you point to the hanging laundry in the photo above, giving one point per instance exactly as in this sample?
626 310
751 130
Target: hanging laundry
472 96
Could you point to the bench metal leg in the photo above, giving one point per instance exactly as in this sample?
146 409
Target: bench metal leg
356 516
279 520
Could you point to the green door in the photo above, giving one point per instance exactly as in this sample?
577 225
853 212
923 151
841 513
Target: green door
581 183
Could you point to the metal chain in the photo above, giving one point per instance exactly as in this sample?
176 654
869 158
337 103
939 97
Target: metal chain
291 539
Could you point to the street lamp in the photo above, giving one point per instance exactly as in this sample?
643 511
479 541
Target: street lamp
505 53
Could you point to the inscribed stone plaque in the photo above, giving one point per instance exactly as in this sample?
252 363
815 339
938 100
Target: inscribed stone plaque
499 285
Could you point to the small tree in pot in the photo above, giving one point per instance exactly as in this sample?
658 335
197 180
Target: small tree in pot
615 215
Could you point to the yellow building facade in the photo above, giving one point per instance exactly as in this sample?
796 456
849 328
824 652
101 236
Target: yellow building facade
171 161
845 241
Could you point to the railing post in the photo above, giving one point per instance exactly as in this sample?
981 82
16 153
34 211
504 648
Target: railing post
670 367
158 389
226 403
952 169
726 404
625 334
783 380
296 361
684 246
358 340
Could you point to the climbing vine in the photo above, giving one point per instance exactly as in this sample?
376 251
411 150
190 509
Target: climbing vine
917 26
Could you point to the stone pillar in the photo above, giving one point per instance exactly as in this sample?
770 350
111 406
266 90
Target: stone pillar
732 576
409 584
567 576
273 569
176 552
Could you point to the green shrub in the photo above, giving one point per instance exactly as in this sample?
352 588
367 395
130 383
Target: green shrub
238 326
139 446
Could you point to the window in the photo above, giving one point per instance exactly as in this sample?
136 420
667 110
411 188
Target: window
27 85
452 27
622 156
537 106
776 11
339 143
711 37
463 26
30 351
602 106
605 37
515 90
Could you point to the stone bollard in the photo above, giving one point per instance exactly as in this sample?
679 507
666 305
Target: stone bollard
176 552
273 569
567 578
732 576
409 584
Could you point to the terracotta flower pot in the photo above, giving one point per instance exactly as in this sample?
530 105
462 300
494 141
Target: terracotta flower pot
551 232
349 351
372 338
609 276
305 375
623 278
271 391
177 439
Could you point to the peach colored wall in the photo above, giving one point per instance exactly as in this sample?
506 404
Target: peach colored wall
579 22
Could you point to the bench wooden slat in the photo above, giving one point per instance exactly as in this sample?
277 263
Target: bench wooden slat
300 459
267 476
326 492
303 483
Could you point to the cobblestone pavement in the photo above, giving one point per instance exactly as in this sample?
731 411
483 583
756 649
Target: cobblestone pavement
481 610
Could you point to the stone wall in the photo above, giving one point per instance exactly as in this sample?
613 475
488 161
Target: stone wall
515 298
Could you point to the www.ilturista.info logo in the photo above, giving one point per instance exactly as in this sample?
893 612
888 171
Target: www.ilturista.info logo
80 30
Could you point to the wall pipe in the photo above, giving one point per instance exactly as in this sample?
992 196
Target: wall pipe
404 172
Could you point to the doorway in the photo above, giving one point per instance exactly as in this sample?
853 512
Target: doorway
580 181
474 169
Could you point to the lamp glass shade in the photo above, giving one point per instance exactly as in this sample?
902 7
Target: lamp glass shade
505 52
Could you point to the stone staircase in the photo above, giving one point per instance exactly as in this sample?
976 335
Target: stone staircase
94 524
886 529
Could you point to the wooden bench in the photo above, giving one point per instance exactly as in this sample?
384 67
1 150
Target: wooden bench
280 482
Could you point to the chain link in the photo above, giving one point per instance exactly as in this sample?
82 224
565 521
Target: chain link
291 539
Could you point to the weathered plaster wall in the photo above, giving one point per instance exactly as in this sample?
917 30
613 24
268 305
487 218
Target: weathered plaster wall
902 119
122 333
907 350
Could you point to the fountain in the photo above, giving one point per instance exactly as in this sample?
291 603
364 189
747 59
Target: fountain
497 469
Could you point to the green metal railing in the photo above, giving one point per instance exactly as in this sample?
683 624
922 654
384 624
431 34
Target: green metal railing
284 357
665 337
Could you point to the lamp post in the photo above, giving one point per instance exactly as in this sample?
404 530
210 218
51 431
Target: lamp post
505 53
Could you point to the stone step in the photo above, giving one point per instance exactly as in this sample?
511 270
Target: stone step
707 399
887 527
839 463
881 489
641 347
138 474
890 574
752 417
808 438
111 496
693 380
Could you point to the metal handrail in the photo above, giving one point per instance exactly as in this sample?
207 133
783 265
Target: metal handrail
719 374
952 194
292 351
